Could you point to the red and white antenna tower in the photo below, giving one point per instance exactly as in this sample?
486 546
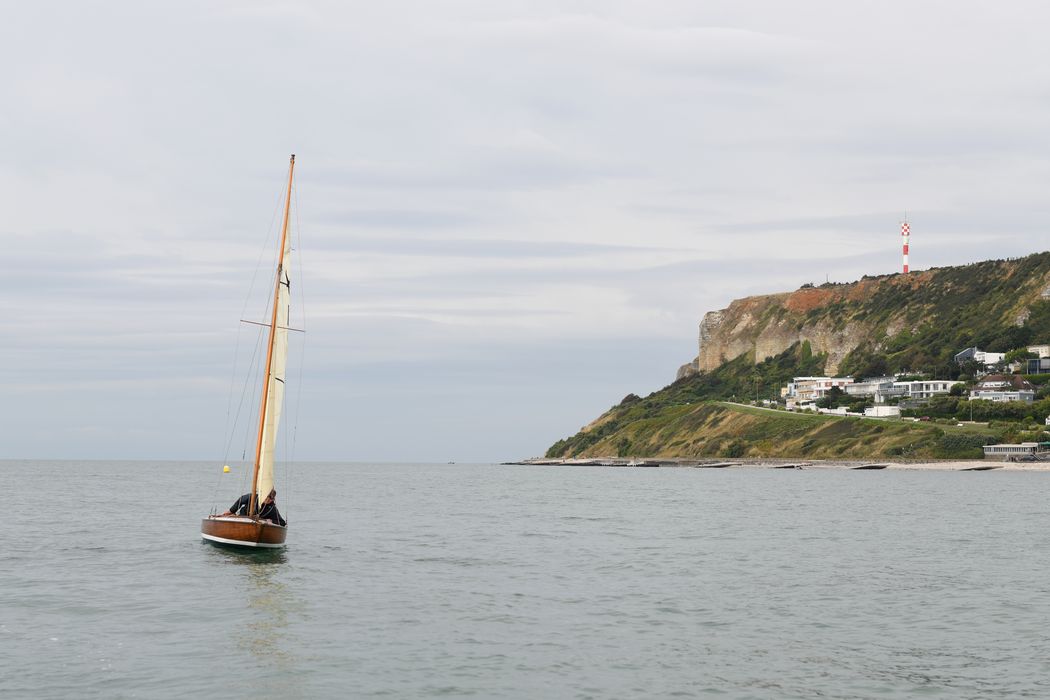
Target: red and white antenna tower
905 235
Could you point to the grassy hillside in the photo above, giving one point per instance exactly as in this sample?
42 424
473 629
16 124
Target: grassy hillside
717 429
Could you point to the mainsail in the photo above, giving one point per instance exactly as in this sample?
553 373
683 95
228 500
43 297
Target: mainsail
275 394
276 361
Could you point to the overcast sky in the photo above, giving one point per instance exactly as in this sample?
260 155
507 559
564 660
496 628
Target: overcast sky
511 214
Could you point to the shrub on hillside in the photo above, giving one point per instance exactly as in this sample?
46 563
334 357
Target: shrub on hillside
962 445
736 448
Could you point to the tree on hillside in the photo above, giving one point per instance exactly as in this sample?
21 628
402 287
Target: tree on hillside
1010 338
1018 354
969 369
832 399
873 366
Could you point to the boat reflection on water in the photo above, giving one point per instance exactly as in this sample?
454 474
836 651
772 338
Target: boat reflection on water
234 554
263 633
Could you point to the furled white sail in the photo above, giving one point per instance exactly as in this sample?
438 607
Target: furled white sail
275 394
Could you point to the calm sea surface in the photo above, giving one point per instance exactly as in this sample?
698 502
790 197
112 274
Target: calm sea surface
418 581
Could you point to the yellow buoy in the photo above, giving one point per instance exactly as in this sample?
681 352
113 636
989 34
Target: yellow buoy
226 469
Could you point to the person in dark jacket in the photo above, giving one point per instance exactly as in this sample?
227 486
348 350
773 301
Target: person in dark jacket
268 511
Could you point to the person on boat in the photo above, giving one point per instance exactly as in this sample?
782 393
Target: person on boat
268 511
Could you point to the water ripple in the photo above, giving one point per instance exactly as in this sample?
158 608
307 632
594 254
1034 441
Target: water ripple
474 581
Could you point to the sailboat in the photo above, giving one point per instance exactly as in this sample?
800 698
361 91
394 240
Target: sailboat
250 530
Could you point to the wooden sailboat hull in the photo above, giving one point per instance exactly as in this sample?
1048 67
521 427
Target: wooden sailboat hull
243 532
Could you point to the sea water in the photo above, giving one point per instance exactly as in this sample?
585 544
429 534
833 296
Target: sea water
418 581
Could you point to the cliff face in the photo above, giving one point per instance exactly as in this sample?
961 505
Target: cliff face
836 319
768 325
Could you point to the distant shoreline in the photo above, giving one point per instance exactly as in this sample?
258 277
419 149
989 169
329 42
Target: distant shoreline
759 463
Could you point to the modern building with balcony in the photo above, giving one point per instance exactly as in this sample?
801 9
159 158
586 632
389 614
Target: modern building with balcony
808 389
925 389
1002 387
872 387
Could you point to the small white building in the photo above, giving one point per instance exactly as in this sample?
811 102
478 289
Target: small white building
1040 351
882 411
988 359
1006 450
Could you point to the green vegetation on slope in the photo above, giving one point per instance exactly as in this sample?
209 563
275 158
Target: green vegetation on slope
953 308
717 429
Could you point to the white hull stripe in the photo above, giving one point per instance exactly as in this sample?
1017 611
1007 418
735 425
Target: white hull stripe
223 540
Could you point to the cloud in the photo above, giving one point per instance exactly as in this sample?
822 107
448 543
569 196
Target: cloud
507 216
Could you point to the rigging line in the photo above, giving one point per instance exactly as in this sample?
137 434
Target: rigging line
251 393
286 466
298 405
228 430
244 389
270 230
215 490
231 430
229 397
277 254
299 258
302 345
291 426
268 308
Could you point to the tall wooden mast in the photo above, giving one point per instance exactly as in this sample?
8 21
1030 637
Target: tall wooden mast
269 346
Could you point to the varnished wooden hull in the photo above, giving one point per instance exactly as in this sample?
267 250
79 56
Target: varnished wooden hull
243 532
